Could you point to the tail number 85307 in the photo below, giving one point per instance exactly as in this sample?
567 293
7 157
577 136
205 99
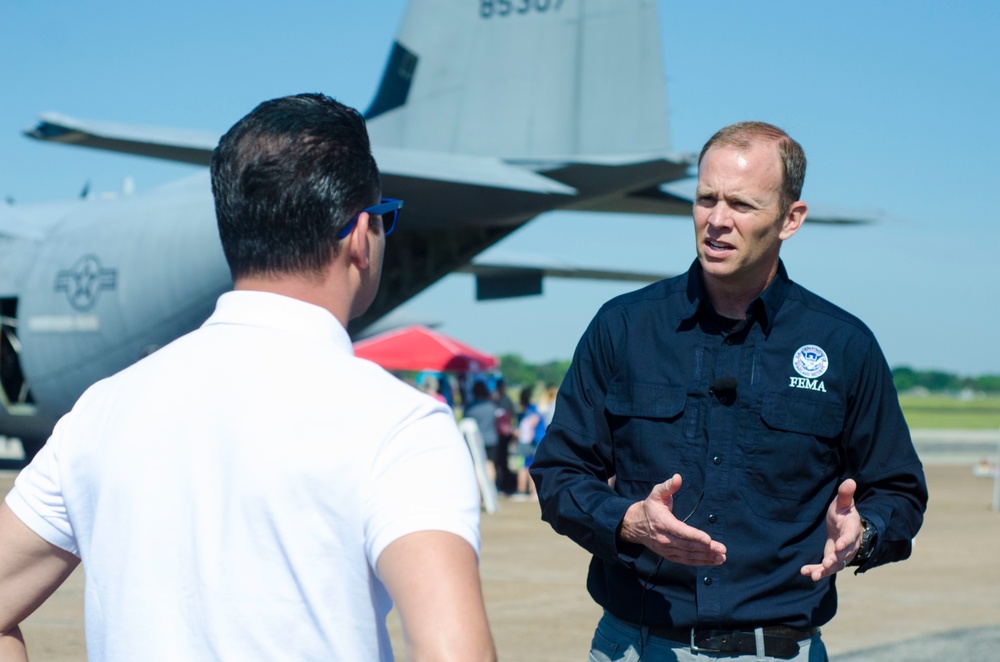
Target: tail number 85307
491 8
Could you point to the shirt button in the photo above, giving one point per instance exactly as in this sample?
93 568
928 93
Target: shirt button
707 581
717 460
729 341
712 519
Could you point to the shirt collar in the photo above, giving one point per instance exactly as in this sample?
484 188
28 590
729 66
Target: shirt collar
275 311
764 308
770 301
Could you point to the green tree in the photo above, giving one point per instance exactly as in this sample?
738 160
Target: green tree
518 372
904 378
987 383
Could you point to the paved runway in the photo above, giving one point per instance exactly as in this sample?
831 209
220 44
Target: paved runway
942 604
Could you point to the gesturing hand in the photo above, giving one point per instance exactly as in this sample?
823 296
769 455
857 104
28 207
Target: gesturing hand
843 534
652 523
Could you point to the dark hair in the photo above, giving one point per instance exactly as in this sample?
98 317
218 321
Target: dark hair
793 159
286 178
480 391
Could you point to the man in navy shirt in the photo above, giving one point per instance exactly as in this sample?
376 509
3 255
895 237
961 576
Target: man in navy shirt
726 441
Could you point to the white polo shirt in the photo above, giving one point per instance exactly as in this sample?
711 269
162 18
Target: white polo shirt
230 494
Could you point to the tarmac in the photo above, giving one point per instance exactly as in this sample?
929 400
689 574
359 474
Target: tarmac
941 604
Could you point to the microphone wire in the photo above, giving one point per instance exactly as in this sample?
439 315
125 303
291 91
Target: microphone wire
643 637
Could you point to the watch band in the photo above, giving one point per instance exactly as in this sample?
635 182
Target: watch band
868 539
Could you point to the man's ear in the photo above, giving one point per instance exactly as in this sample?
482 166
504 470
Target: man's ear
357 242
794 219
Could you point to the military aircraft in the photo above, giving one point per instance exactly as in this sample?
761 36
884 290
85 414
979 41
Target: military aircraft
488 114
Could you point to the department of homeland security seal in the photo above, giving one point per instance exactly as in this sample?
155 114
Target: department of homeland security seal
810 361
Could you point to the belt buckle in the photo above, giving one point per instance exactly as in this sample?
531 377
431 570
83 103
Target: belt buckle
730 639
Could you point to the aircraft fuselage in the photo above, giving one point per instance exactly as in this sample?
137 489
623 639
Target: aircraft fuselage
111 282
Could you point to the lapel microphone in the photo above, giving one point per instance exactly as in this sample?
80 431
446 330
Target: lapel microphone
724 388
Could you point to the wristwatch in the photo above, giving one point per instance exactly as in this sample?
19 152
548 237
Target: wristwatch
868 539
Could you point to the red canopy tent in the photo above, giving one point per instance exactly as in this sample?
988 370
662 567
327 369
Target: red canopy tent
418 348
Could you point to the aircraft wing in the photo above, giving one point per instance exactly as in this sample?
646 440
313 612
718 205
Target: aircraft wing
500 276
820 213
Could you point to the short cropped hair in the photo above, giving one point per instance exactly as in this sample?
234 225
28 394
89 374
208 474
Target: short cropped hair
793 159
286 178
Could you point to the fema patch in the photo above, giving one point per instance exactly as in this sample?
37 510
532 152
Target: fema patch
810 361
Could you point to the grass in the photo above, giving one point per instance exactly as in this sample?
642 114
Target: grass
942 411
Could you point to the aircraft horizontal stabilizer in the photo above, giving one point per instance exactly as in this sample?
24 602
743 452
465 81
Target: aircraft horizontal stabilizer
196 147
630 184
653 200
465 169
181 145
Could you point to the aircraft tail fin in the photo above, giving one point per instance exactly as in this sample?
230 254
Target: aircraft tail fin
524 79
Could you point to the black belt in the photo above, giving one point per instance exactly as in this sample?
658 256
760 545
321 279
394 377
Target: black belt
779 641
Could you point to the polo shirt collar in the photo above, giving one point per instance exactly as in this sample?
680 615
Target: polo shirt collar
275 311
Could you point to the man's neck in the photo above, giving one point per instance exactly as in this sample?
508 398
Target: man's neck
317 291
732 299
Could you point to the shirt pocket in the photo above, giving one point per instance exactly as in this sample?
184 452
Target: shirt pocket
647 425
793 458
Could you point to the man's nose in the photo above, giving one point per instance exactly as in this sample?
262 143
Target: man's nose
721 216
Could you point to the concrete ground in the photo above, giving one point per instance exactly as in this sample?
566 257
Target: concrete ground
941 604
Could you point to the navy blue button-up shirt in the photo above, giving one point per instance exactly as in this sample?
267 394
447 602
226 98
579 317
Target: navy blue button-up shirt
763 420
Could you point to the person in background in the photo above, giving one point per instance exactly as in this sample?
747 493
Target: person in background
547 405
483 410
530 430
252 491
505 434
430 385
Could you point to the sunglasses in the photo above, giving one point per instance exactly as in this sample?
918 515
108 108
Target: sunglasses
388 209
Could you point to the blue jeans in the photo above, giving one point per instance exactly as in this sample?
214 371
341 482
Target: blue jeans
618 641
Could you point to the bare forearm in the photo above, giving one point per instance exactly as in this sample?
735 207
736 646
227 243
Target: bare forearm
12 646
450 626
30 570
472 642
433 579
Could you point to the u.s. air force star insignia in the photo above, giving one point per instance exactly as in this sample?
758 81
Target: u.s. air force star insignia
810 361
84 282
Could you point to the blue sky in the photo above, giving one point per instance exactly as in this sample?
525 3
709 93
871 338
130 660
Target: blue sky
894 102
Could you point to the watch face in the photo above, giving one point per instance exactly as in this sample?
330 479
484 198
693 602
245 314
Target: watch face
867 535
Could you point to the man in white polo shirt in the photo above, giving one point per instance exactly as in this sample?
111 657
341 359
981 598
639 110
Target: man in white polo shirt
253 491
